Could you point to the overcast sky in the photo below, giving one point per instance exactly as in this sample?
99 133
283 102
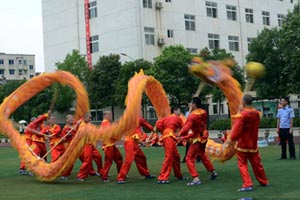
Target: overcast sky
21 29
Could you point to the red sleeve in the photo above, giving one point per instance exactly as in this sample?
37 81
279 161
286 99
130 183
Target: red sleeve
65 130
56 130
159 125
180 122
38 120
237 127
45 129
145 124
187 126
105 123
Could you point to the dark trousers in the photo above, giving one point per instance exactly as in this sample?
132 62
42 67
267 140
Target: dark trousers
286 136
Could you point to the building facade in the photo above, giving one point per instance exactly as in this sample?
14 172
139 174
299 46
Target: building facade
141 28
16 66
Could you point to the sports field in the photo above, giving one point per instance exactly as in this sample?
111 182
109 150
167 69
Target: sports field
283 176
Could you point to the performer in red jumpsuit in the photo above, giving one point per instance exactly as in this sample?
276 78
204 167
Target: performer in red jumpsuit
68 132
134 152
53 132
111 152
245 132
27 135
168 126
196 122
38 138
86 155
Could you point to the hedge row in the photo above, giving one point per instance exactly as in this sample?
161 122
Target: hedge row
224 124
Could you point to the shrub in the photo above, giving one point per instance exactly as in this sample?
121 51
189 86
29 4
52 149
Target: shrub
220 124
268 122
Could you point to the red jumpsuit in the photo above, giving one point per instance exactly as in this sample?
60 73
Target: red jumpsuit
27 135
168 126
111 153
38 141
57 146
245 132
86 159
134 152
71 133
97 157
196 122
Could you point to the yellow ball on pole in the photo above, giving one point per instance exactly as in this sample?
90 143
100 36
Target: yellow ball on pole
255 69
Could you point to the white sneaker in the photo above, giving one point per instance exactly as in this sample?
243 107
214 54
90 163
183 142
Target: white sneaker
64 178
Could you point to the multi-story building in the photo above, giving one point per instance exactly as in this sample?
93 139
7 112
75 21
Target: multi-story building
16 66
141 28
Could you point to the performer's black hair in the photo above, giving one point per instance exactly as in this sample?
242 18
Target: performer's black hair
173 108
247 99
197 101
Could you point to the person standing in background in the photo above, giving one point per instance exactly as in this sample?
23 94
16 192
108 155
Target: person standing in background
285 117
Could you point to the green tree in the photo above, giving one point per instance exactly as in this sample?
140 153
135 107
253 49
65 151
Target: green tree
266 50
171 69
126 72
77 65
6 90
34 107
103 80
289 45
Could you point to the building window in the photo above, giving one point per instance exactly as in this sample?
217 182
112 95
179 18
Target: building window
280 19
249 40
168 1
147 3
192 50
1 62
222 108
10 62
149 35
93 9
94 43
213 41
249 15
170 33
20 61
190 22
233 43
292 1
151 114
2 71
266 18
11 72
20 71
211 9
31 67
215 109
31 76
231 12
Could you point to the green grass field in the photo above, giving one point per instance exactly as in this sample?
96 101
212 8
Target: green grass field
283 176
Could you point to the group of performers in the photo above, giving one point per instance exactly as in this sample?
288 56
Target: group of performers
173 130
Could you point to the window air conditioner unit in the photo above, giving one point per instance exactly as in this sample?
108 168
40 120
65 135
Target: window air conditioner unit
158 5
161 41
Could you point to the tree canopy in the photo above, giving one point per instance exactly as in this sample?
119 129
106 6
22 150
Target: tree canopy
103 81
126 72
279 51
171 69
77 65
